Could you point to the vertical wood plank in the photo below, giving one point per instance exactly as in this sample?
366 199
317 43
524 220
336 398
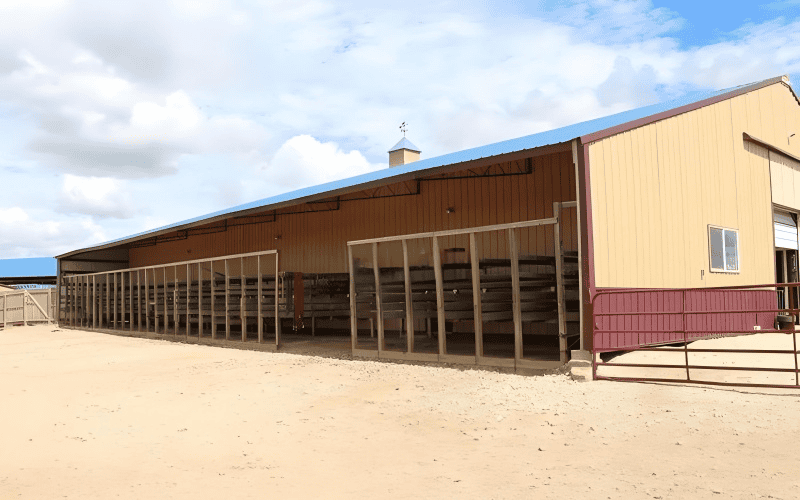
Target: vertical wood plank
200 317
116 300
260 299
130 300
213 308
514 252
242 315
562 319
139 300
188 296
277 304
353 317
175 301
476 297
166 306
227 302
409 304
378 298
146 300
437 270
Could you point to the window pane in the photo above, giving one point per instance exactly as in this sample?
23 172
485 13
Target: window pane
715 241
731 251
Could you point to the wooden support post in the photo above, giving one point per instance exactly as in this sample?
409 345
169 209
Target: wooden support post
74 301
24 308
227 302
5 306
437 270
166 304
353 310
116 300
562 317
108 300
213 309
146 301
94 301
409 303
580 239
476 297
515 294
277 307
199 300
175 301
242 315
122 301
139 300
188 297
260 299
378 300
130 300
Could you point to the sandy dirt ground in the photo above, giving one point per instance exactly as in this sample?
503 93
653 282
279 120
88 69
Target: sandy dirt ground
89 415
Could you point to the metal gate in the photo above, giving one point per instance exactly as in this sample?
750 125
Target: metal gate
664 323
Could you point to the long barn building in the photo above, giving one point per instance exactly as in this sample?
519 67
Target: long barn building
490 256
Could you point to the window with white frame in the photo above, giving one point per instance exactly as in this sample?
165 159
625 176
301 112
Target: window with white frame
723 249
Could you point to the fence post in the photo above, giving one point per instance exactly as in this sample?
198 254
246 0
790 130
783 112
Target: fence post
685 339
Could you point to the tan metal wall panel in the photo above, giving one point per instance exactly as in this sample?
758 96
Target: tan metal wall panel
785 178
656 189
316 242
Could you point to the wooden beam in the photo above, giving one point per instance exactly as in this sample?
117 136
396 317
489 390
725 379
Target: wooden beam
409 303
353 311
116 300
227 302
562 317
242 316
146 301
277 306
517 305
175 300
437 270
166 306
260 299
580 240
476 297
188 297
378 301
213 312
138 300
199 300
94 301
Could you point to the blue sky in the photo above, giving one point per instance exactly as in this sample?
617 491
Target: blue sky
118 117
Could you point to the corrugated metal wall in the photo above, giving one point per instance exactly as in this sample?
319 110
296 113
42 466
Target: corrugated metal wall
785 175
316 242
656 189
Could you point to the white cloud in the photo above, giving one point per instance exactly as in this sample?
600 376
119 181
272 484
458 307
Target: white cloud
35 235
303 161
100 197
232 101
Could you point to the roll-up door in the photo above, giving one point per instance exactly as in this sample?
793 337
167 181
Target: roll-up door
785 230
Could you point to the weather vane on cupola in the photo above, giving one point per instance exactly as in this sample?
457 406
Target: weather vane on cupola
403 128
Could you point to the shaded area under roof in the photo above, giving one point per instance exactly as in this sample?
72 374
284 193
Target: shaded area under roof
33 267
385 176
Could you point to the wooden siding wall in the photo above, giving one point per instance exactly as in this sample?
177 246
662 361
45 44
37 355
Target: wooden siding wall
785 174
316 242
655 190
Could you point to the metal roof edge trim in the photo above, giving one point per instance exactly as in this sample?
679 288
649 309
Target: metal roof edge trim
624 127
764 144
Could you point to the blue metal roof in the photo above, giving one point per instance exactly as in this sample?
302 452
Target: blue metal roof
28 268
550 137
404 144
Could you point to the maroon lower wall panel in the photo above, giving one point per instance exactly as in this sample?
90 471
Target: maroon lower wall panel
661 316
